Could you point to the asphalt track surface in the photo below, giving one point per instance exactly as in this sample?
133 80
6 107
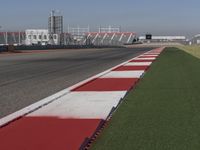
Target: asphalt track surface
26 78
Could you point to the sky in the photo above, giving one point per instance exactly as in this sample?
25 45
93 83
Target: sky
159 17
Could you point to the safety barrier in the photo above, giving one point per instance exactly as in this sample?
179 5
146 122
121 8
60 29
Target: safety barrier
51 47
3 49
45 47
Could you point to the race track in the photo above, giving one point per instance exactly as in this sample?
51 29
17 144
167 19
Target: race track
26 78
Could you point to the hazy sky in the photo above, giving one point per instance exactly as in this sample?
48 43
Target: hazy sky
160 17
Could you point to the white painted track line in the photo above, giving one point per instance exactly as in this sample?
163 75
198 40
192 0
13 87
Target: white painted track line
32 107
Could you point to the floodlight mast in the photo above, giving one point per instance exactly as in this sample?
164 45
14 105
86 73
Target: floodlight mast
55 27
52 22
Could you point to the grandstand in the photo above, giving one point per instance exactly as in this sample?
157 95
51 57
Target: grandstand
55 35
111 38
12 38
69 38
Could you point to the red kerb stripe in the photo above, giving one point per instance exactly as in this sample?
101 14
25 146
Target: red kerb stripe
46 133
131 68
108 84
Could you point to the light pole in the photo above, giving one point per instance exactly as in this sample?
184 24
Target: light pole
0 31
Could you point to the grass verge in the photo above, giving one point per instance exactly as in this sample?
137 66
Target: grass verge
163 112
193 50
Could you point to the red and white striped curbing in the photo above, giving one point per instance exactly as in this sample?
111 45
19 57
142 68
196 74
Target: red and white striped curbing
138 64
146 58
150 55
124 74
75 113
87 105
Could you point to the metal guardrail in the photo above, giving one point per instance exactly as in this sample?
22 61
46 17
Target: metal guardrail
61 47
49 47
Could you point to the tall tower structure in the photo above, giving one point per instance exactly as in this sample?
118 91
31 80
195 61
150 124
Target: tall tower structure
55 27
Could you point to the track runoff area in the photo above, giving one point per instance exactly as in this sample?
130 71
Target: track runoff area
72 118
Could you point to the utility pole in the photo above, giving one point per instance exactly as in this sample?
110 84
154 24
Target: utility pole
0 29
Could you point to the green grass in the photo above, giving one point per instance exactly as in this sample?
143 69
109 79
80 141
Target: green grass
163 112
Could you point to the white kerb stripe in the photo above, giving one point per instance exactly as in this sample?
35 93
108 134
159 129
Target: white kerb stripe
138 64
149 55
151 58
152 53
90 105
124 74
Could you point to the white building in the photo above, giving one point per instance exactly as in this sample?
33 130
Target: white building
40 37
164 38
195 40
